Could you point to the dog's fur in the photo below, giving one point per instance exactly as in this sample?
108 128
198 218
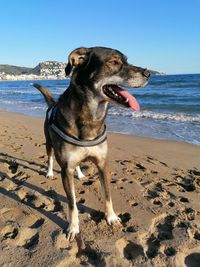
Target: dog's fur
81 112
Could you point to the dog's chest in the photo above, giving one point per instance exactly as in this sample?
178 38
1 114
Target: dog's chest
79 154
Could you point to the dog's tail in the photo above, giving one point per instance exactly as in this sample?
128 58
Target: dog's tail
47 95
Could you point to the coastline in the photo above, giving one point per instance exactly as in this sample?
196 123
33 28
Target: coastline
34 79
175 152
160 117
155 188
138 138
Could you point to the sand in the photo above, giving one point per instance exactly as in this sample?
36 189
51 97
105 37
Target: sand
155 189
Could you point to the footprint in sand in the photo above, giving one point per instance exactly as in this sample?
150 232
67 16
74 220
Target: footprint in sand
97 216
193 231
155 161
88 183
13 166
159 195
11 214
82 192
125 217
140 167
11 186
188 257
9 231
171 204
183 199
129 250
194 174
189 214
50 201
20 228
25 196
133 203
47 202
197 235
166 232
124 180
81 201
27 238
131 229
185 183
94 255
168 251
150 194
157 202
161 229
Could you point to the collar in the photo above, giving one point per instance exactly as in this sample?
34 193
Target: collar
69 139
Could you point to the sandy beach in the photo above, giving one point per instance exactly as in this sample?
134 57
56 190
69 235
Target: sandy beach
155 189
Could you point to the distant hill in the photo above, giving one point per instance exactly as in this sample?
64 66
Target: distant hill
15 70
45 70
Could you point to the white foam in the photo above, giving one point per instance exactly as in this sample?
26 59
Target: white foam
178 117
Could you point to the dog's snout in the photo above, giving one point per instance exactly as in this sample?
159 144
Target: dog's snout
146 73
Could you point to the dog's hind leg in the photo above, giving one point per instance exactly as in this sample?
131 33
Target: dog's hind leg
111 216
79 173
68 184
49 149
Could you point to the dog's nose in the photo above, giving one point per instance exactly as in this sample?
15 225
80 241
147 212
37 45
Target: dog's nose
146 73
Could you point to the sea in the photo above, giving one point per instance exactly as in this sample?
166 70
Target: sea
170 106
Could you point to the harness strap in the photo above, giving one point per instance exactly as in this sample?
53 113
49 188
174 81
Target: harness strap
70 139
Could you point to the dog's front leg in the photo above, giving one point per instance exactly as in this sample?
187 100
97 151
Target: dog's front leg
68 184
111 216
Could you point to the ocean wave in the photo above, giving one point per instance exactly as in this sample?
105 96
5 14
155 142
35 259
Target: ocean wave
19 92
38 108
178 117
11 102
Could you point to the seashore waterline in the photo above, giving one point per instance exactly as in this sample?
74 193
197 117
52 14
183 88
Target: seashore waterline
170 106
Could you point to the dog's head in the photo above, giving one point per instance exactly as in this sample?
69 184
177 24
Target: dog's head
103 71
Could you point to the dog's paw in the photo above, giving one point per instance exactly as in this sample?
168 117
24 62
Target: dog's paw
113 219
72 231
80 175
49 174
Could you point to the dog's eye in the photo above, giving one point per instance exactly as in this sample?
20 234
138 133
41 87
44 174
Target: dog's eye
114 64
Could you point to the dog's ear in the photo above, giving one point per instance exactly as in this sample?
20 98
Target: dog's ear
76 58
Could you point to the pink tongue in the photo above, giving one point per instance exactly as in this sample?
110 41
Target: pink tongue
131 99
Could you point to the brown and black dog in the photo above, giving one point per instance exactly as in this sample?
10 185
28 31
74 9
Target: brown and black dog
76 130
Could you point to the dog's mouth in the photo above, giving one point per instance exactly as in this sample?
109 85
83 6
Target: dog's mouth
121 96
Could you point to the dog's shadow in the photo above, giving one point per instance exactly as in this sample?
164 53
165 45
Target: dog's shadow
14 163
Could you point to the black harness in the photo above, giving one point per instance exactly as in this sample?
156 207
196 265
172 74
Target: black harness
69 139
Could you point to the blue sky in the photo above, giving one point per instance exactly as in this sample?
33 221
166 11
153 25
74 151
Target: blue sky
161 35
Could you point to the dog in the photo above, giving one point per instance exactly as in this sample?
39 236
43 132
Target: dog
75 124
